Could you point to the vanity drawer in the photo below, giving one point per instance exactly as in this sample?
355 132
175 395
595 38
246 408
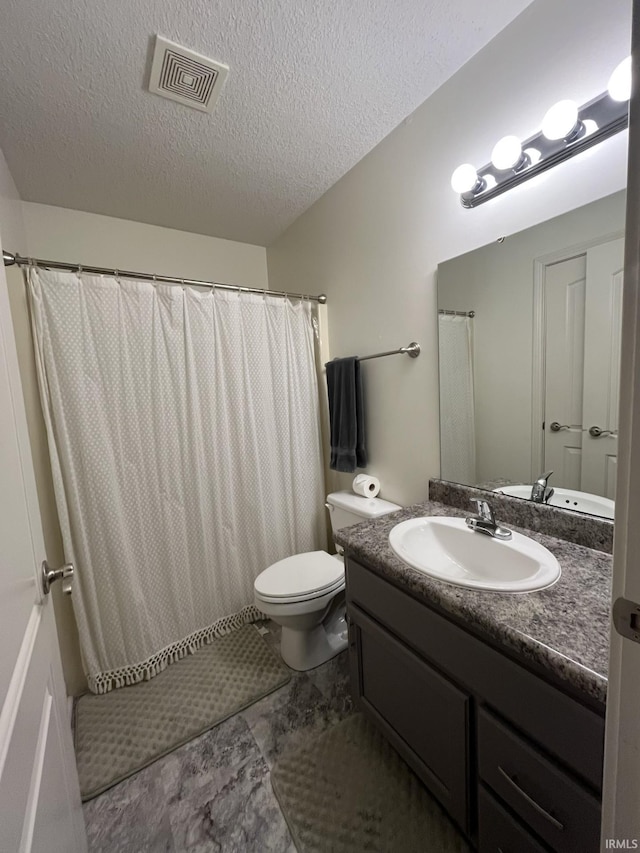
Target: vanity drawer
555 806
423 715
499 832
576 736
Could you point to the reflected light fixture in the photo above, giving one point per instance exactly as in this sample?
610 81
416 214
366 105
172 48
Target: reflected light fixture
566 130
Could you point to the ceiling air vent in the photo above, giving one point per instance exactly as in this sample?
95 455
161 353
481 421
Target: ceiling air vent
185 76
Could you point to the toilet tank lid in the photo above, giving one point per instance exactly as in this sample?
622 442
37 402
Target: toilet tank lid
365 507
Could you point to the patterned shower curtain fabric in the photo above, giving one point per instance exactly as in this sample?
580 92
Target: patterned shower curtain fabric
183 429
457 407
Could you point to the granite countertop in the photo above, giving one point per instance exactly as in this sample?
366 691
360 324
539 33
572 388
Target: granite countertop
564 628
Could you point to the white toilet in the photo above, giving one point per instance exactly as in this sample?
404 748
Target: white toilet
305 593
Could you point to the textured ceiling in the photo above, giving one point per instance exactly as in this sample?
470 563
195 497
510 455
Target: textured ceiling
312 88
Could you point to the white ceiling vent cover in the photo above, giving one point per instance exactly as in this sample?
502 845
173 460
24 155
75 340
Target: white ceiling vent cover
185 76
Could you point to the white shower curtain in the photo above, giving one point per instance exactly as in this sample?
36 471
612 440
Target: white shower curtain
457 413
184 435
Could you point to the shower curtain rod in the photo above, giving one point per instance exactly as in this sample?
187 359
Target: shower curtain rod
456 313
10 260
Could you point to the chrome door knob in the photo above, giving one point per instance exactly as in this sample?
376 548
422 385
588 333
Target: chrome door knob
556 427
49 576
596 432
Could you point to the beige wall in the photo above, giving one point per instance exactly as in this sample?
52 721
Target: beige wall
12 232
58 234
497 281
374 240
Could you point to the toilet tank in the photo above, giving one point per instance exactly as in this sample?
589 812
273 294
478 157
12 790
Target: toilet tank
345 508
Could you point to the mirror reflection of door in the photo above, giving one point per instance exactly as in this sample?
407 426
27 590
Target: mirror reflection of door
583 312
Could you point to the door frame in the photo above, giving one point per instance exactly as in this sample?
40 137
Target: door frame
539 366
621 791
34 711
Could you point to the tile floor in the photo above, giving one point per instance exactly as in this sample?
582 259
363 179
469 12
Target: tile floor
214 793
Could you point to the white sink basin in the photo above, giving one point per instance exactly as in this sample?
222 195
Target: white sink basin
567 499
446 549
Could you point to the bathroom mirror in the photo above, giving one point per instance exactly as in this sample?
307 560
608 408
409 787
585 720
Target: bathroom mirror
529 346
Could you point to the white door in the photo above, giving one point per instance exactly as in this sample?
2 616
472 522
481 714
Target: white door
40 806
565 290
603 327
583 314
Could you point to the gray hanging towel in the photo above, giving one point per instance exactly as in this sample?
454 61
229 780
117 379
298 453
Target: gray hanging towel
346 414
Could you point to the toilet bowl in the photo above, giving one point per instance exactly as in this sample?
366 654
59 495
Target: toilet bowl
304 593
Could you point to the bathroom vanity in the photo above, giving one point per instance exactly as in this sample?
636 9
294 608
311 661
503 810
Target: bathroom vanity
495 701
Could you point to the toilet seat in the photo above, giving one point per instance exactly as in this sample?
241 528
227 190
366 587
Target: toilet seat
301 577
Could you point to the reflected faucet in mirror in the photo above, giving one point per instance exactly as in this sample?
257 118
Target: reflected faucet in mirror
541 492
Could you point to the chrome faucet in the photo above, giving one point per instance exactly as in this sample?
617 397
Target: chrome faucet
485 521
541 492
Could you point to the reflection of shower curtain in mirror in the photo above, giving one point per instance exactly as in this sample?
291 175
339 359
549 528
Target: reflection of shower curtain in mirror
457 414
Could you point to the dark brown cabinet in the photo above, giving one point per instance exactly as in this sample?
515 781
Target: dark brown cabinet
416 706
499 831
515 761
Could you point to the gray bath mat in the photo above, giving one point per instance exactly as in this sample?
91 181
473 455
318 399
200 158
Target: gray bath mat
119 733
349 791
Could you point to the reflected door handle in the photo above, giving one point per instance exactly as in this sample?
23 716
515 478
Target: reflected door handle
556 427
49 576
596 432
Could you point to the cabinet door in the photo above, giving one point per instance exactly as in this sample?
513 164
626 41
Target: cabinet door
423 715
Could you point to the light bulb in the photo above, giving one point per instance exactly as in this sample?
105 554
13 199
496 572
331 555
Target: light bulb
489 182
560 120
620 81
506 153
465 178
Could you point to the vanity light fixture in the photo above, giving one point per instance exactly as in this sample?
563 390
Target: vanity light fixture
561 122
465 179
508 154
566 130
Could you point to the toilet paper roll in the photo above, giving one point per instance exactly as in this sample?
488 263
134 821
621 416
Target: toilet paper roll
366 486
